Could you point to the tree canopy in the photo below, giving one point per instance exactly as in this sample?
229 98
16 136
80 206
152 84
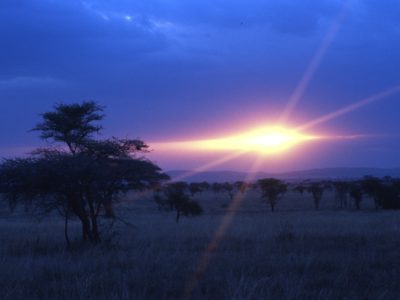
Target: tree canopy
174 197
72 124
272 189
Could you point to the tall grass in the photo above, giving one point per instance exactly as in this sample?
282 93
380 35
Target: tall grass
281 255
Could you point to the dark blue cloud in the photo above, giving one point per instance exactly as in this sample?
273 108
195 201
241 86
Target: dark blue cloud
286 16
51 38
59 37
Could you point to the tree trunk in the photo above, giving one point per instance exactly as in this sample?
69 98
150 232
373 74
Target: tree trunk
178 215
80 212
95 230
109 210
66 230
93 219
376 203
86 233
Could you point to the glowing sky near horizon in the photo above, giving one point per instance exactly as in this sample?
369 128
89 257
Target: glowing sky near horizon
271 140
207 73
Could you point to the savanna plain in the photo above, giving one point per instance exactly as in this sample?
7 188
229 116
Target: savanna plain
295 252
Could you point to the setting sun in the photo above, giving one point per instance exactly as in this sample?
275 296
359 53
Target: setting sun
265 140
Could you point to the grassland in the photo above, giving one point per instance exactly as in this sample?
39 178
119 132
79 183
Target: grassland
293 253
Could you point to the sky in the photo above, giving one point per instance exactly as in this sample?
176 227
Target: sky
198 69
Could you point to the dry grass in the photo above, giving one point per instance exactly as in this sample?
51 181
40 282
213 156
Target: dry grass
298 254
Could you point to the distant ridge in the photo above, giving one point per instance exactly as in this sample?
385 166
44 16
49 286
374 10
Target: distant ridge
326 173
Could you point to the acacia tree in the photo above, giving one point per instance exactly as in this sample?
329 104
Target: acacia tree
388 194
373 186
341 189
230 188
174 197
356 193
316 189
299 188
216 187
39 182
197 187
72 124
83 180
272 190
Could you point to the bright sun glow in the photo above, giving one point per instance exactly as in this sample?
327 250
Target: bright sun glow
266 140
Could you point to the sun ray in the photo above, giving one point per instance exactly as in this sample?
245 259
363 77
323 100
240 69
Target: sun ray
350 108
220 232
315 62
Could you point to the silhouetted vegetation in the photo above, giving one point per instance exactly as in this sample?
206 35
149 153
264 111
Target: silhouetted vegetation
315 188
341 189
153 262
198 187
83 180
388 193
174 197
385 192
356 193
230 188
372 186
272 190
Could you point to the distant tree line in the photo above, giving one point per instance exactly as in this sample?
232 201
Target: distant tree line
385 192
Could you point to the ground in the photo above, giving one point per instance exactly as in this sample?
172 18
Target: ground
293 253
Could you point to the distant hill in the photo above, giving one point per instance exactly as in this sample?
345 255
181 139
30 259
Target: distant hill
213 176
327 173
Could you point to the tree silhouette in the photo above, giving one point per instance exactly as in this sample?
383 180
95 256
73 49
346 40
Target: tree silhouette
316 189
229 188
388 194
300 188
272 190
216 187
356 193
72 124
83 181
341 189
241 186
195 188
174 197
372 186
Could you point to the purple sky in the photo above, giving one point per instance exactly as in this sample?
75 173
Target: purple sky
175 70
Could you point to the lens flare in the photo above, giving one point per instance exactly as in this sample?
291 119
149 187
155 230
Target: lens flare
265 140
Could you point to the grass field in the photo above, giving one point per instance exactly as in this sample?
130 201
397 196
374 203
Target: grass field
293 253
